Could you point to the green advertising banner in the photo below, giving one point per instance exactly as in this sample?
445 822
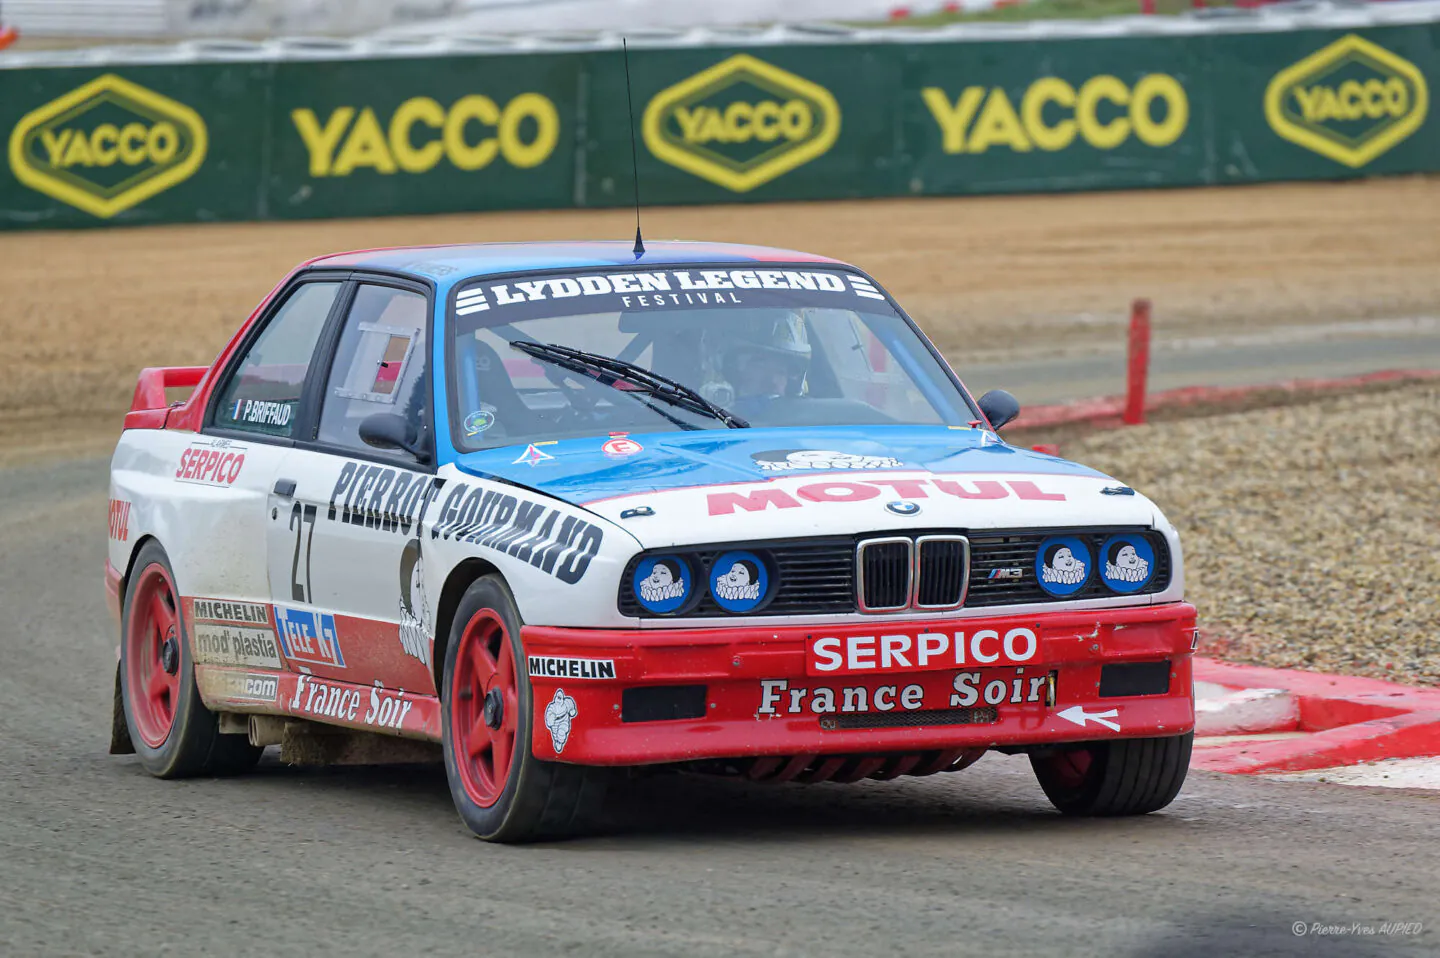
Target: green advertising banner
717 125
1093 114
1324 104
352 137
132 144
434 135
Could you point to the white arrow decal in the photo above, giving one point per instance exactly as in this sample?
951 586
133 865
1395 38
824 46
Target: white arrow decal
1078 715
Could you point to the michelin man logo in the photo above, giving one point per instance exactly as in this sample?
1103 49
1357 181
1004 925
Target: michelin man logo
741 582
789 460
1062 567
1125 564
559 713
665 582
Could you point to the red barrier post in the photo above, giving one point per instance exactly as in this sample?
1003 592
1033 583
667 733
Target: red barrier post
1147 7
1139 364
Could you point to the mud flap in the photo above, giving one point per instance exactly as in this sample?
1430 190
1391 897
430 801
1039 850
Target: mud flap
120 743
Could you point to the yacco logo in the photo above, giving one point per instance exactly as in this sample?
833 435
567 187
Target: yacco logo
1350 101
741 123
1103 112
107 146
470 133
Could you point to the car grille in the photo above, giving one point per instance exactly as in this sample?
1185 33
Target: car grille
933 717
885 567
898 572
818 576
944 569
990 552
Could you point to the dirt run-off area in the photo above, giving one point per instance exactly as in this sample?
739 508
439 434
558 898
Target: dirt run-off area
1311 531
990 278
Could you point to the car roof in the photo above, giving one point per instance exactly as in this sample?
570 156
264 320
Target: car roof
487 259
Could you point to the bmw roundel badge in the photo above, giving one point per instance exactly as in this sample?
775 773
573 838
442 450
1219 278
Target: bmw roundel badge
903 508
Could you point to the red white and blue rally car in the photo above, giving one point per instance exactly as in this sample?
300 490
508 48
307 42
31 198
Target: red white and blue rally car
566 507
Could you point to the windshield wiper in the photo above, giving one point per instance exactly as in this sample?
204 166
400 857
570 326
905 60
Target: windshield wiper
610 371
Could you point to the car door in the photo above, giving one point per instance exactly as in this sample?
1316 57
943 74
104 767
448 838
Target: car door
346 563
223 477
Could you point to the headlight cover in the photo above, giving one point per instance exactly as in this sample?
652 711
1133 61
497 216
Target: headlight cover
739 581
1063 565
1127 563
663 584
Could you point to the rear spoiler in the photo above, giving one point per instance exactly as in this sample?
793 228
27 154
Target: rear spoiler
149 408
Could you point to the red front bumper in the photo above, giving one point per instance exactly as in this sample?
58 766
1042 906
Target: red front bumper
758 699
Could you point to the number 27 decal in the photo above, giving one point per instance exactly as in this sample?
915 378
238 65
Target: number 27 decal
300 516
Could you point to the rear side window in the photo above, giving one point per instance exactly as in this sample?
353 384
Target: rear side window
264 394
379 366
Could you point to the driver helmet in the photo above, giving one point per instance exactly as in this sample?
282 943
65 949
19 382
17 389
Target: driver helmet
768 354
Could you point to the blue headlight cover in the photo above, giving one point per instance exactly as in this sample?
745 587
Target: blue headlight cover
663 583
1062 565
739 581
1127 562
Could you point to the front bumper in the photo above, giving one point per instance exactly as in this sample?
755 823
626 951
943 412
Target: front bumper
607 697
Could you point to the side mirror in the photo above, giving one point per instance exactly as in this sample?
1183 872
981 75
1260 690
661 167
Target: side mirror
999 407
385 430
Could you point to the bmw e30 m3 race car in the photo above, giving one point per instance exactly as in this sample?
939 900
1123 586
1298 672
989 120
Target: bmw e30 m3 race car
564 508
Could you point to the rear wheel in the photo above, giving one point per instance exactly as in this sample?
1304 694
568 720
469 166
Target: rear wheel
173 732
1118 777
502 792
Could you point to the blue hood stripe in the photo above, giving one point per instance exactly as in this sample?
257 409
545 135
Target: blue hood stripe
579 472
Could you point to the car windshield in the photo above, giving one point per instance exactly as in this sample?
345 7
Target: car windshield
565 355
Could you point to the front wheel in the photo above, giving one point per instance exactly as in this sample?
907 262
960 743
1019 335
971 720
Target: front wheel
1117 777
501 790
173 732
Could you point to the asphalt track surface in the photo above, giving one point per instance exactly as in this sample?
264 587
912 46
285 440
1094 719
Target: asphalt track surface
97 858
1311 351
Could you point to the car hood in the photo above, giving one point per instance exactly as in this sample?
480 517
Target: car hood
743 484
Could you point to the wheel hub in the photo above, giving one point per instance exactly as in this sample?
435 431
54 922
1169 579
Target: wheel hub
494 710
170 653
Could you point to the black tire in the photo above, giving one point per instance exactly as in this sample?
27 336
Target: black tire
1118 777
192 744
539 799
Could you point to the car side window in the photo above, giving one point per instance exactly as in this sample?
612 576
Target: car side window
379 367
263 395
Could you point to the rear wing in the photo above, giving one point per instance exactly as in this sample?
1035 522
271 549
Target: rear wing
150 407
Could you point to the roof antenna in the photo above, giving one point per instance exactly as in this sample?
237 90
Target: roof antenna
634 156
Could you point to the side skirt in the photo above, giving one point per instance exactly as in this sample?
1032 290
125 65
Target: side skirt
364 708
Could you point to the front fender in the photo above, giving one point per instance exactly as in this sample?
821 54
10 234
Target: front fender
562 562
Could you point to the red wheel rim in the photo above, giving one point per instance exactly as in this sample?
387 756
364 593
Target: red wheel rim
153 622
484 744
1071 768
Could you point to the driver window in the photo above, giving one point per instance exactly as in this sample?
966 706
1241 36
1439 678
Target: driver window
379 366
263 396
